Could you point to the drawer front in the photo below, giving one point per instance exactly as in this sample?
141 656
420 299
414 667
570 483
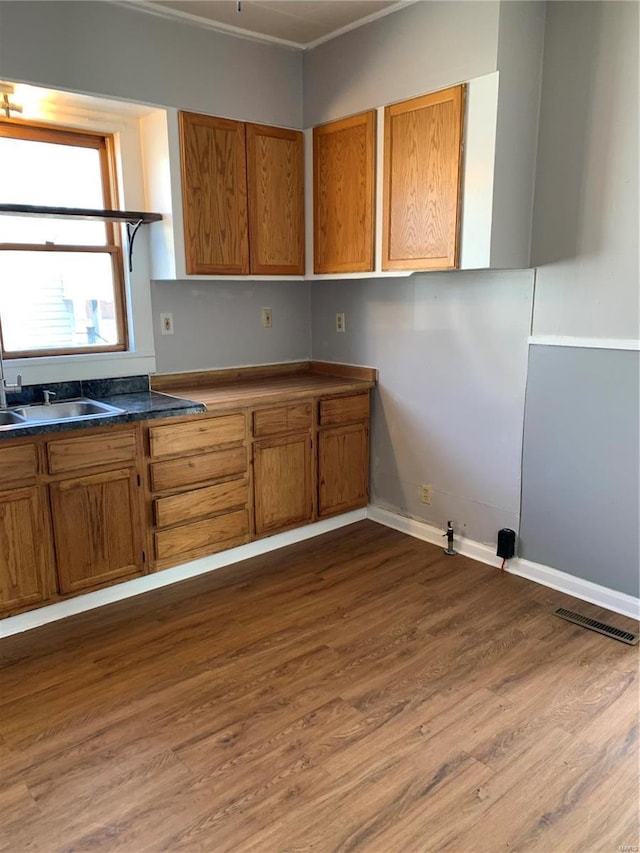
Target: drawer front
282 419
72 454
201 434
18 463
200 503
212 534
344 410
191 470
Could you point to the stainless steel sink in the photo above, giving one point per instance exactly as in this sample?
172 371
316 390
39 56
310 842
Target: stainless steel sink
10 419
65 410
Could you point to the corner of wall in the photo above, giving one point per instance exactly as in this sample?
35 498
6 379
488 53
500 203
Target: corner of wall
520 56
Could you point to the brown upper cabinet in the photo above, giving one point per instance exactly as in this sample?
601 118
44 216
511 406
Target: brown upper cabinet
344 194
242 195
422 180
275 173
214 195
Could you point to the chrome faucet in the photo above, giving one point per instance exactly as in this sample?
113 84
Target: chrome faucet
47 397
4 387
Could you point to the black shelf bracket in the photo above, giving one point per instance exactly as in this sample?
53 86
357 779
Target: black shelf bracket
132 230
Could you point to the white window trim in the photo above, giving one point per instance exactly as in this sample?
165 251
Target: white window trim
90 114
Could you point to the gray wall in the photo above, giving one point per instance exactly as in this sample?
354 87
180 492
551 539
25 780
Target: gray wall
451 349
103 48
580 477
585 237
219 324
520 51
581 460
422 48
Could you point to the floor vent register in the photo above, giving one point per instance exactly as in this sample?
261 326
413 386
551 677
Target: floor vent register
601 627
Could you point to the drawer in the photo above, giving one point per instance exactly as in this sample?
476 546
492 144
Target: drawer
201 434
212 534
72 454
282 419
344 410
18 463
191 470
200 503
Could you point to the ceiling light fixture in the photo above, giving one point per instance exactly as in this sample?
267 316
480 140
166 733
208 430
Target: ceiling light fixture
6 106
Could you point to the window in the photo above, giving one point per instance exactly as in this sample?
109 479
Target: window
61 280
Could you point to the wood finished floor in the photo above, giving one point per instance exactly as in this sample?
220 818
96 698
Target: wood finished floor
359 691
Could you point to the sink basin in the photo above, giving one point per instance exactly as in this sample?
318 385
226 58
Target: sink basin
9 419
65 410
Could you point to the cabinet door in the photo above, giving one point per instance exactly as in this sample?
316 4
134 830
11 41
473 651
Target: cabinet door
343 194
422 173
24 544
214 195
96 528
275 178
343 468
282 477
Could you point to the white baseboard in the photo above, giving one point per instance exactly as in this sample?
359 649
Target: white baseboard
118 592
611 599
433 535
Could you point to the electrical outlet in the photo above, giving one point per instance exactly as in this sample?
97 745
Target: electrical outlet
425 494
267 318
340 323
166 324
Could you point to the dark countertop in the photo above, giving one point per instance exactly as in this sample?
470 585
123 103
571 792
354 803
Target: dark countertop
138 405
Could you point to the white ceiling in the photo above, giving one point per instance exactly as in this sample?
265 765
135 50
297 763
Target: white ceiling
298 23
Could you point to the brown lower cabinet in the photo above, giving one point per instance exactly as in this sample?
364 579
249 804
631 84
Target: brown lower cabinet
24 556
199 486
343 468
85 509
96 529
282 477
